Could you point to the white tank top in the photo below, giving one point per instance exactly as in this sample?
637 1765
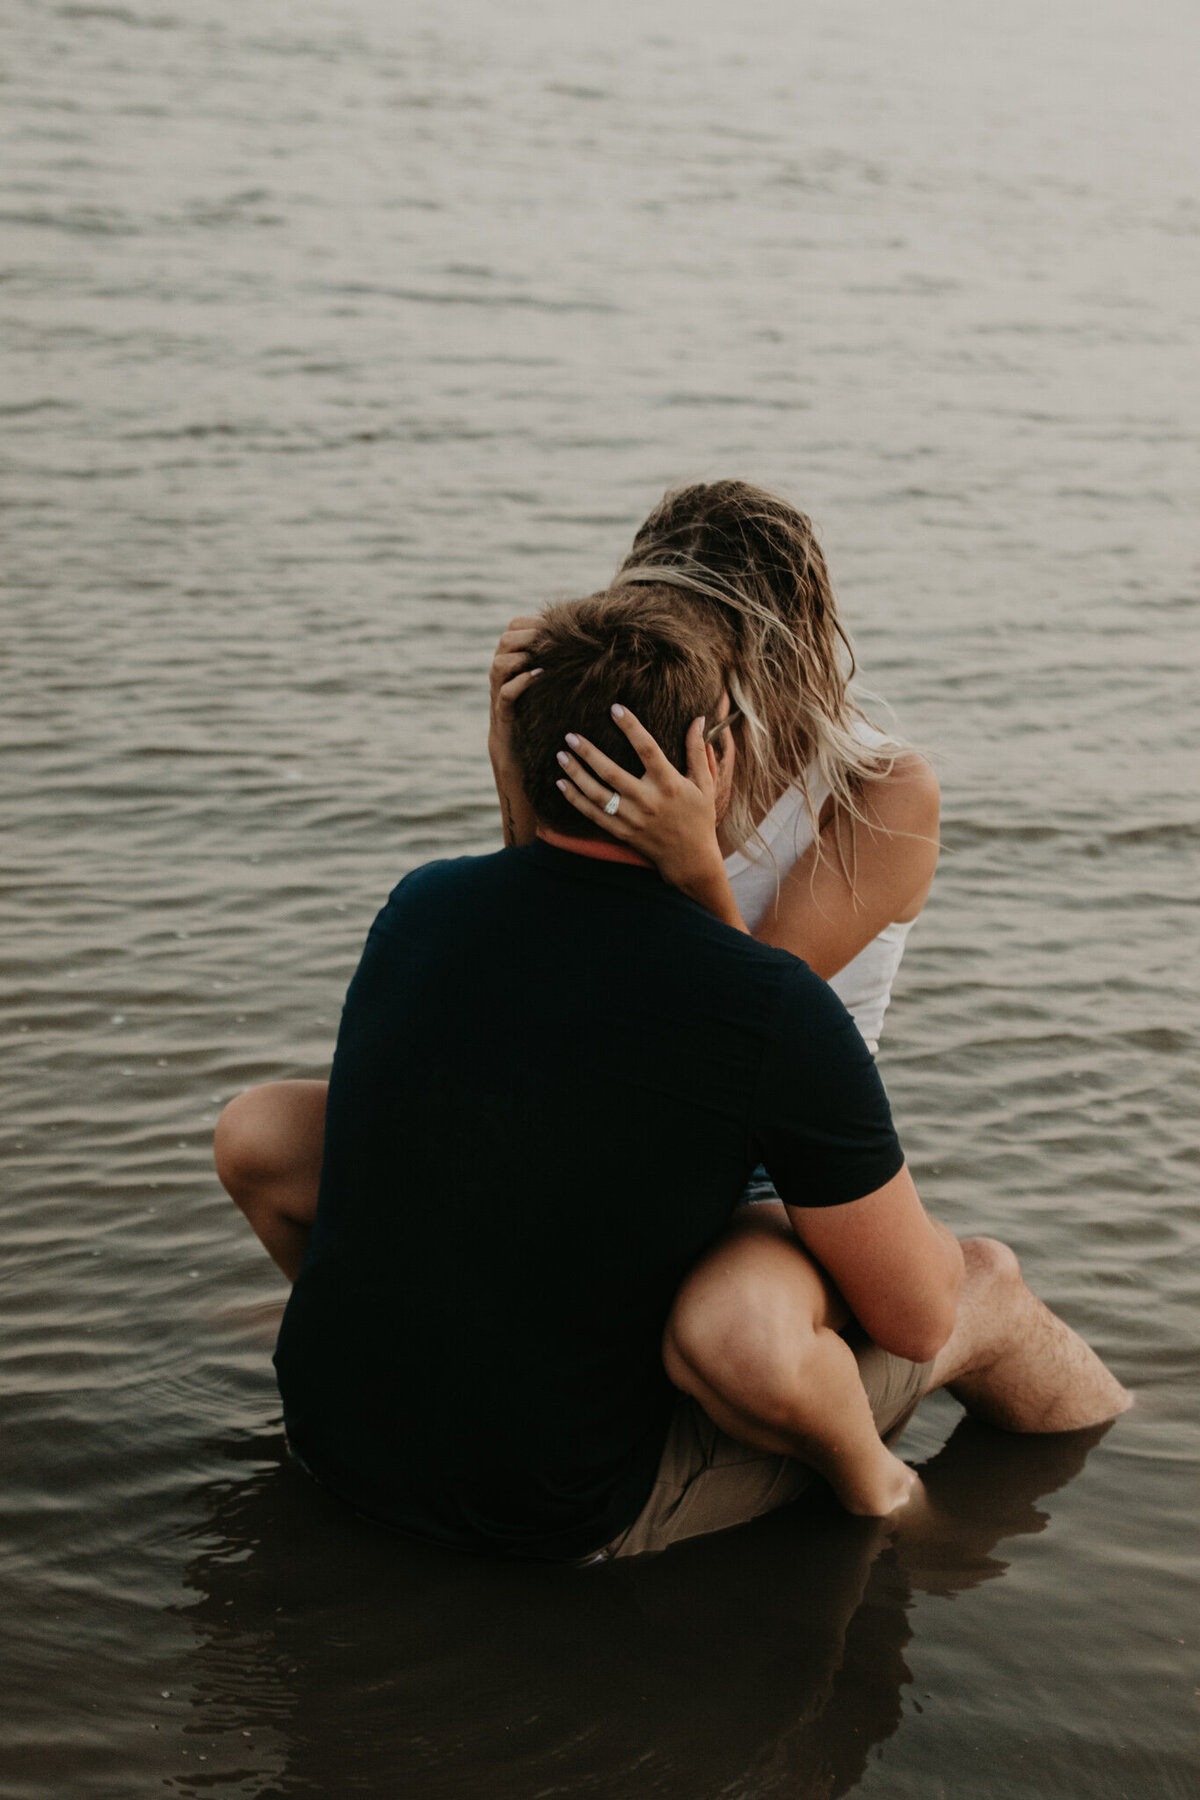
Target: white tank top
864 986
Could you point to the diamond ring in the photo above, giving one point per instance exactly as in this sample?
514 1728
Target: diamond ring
613 804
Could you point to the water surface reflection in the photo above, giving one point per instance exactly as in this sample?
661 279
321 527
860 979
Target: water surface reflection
767 1660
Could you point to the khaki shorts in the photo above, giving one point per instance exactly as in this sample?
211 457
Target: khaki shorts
707 1481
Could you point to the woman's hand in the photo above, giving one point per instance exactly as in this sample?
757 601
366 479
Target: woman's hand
668 817
509 677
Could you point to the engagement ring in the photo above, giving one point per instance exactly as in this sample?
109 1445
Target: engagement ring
613 804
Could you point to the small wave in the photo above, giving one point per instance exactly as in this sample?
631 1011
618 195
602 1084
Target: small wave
964 834
572 91
967 834
218 428
20 409
1161 1038
118 15
763 402
234 209
439 297
1167 832
88 221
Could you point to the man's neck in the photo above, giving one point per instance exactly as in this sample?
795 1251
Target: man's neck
603 849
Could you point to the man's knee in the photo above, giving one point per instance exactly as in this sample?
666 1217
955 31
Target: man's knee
240 1152
699 1327
272 1132
264 1132
990 1267
990 1310
742 1337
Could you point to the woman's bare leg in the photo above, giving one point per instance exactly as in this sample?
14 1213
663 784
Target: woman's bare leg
268 1148
753 1337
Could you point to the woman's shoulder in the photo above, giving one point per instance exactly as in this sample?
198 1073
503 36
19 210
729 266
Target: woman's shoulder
907 791
908 785
902 809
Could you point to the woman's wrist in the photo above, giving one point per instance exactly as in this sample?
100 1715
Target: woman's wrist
500 752
709 886
517 817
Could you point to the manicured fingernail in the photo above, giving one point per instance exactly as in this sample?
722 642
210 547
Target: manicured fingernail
618 712
572 740
561 786
702 721
537 671
564 759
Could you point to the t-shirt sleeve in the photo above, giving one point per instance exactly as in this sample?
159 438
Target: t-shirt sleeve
821 1122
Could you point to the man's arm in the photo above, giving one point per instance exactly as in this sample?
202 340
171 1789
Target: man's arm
824 1129
899 1271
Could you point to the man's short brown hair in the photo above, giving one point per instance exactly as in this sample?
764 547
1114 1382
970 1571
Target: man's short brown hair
643 647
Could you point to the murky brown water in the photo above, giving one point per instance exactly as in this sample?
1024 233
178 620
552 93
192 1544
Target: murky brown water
335 333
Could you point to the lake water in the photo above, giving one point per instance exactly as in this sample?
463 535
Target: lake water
336 332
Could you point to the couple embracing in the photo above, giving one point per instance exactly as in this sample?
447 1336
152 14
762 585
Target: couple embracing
601 1234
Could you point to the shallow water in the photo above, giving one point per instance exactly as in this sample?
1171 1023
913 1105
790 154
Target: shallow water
334 335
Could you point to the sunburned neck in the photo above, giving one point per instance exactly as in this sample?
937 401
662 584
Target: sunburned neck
603 849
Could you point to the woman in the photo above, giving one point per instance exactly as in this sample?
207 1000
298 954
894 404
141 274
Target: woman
830 844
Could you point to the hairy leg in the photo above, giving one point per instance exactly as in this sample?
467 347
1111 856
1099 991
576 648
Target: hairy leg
268 1148
1012 1362
753 1337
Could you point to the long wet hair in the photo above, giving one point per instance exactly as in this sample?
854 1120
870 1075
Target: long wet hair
756 559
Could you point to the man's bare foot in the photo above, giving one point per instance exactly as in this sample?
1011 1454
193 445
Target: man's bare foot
920 1529
914 1498
891 1488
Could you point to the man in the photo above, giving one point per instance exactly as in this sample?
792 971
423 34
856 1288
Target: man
522 1321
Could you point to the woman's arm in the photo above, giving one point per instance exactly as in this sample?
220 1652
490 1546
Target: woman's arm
861 874
510 677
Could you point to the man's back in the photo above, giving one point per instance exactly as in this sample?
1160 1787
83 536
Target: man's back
553 1077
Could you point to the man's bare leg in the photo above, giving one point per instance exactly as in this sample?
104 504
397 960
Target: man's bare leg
268 1147
1012 1362
753 1337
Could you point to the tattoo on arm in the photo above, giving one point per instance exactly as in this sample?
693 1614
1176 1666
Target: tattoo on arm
510 826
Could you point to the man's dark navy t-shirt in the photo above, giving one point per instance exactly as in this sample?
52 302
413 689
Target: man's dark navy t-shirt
553 1077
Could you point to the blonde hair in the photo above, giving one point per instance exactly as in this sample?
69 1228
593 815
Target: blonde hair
757 560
